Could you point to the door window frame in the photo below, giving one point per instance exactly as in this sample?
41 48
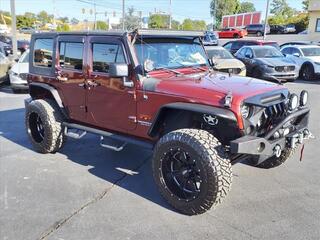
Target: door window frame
71 39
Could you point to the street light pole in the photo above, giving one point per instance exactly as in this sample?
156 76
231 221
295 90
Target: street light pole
123 14
14 28
266 20
170 17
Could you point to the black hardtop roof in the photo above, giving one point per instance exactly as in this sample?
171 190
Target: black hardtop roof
139 32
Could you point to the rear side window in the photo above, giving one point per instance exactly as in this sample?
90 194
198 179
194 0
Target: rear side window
71 55
104 54
43 49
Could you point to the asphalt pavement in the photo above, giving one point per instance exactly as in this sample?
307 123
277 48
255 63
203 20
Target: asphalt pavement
88 192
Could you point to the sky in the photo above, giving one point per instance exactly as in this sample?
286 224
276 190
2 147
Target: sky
181 9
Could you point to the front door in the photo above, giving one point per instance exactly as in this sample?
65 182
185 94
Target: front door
110 104
70 75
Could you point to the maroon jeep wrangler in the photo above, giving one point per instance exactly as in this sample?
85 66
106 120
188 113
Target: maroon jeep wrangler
157 89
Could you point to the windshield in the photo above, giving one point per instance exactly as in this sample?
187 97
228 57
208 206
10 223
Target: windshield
159 55
219 54
269 52
311 52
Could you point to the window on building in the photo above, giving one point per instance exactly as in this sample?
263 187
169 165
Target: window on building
43 48
318 25
71 54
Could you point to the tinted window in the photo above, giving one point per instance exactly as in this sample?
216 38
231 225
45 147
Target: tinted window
249 53
103 54
286 51
228 46
71 55
25 58
43 49
295 51
241 52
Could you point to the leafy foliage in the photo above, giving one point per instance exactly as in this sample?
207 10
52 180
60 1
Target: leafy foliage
189 24
219 8
63 28
159 21
281 7
247 7
101 25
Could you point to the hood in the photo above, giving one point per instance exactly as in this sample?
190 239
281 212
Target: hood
280 61
228 63
211 88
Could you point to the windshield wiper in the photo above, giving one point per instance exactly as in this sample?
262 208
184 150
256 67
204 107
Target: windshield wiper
168 69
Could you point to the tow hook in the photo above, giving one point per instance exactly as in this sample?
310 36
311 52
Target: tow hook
277 150
299 137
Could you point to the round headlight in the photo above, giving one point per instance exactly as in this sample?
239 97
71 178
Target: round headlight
293 102
303 98
245 111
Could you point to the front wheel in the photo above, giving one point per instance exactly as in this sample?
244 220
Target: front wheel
44 126
191 170
307 72
259 34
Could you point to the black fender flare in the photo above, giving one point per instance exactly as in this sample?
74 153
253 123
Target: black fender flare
190 107
52 91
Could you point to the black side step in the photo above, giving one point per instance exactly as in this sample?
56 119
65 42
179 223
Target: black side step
120 138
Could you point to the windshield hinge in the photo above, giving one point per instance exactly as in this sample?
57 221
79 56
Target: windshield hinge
228 99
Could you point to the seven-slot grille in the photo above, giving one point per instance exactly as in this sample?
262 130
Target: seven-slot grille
284 68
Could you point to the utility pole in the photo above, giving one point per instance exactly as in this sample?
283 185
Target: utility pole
14 28
170 16
54 12
266 21
123 14
95 14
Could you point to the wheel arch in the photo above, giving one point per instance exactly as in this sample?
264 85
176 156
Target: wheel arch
184 113
45 91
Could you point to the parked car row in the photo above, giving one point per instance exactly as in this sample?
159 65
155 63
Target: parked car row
282 29
267 60
6 45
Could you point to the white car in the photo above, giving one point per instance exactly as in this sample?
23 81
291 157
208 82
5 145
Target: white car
4 29
18 73
307 57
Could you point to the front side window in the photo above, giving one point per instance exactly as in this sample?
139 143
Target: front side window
71 55
43 49
158 54
267 52
103 54
25 58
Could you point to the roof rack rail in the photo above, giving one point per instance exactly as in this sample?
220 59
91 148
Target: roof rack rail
169 32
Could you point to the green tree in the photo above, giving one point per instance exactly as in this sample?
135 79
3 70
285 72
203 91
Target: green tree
44 17
219 8
305 5
189 24
5 17
175 24
101 25
23 21
247 7
74 21
281 7
131 21
159 21
63 27
64 19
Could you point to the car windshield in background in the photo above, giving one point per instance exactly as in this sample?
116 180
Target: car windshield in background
268 52
170 55
310 52
219 54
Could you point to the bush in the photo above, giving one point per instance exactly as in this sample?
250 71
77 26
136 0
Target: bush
63 28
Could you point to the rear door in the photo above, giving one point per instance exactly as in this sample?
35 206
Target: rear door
70 74
111 105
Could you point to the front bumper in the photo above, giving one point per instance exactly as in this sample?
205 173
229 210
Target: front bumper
280 76
270 146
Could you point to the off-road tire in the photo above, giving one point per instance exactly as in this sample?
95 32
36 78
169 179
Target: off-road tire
209 156
51 118
277 161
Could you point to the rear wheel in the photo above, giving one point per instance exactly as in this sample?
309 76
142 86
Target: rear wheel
44 126
236 35
307 72
259 34
191 170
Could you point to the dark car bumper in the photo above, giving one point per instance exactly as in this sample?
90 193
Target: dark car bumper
280 77
270 146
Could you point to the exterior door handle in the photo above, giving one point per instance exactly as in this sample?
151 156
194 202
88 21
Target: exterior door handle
62 79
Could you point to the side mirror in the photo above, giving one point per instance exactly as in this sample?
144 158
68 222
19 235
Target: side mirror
118 70
121 70
296 54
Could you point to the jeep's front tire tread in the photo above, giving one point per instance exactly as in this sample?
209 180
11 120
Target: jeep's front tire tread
52 119
274 161
214 161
